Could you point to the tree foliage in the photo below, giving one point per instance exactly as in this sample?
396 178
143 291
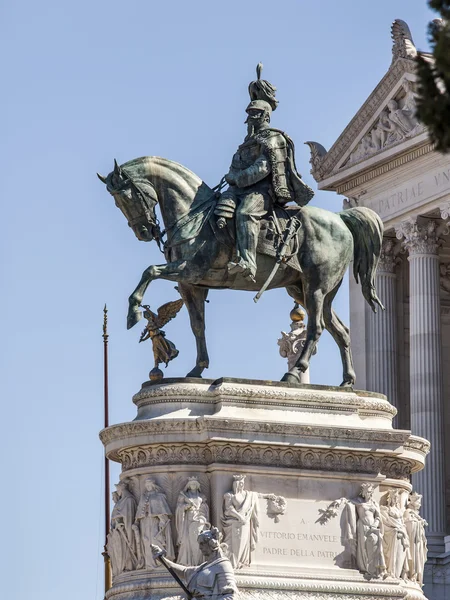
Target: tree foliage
433 103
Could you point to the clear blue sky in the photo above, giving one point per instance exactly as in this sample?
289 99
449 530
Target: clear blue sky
84 82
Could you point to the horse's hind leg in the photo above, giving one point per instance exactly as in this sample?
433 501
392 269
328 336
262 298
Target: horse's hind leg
341 336
194 298
314 307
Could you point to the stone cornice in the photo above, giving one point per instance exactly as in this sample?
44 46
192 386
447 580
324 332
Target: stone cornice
279 396
390 164
211 426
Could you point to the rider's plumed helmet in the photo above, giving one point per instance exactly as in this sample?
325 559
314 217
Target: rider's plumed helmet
262 93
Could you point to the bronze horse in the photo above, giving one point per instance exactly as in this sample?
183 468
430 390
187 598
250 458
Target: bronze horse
197 256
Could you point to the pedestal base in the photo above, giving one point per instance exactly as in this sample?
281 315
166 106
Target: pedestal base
305 451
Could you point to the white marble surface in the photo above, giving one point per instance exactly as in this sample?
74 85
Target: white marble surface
278 466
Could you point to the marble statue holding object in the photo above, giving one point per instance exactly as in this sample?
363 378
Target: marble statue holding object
163 349
191 518
212 580
363 531
121 544
152 523
395 536
415 527
291 344
240 522
243 237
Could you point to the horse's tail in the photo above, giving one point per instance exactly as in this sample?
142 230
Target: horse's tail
367 230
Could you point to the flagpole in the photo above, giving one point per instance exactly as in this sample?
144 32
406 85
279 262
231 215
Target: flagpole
106 424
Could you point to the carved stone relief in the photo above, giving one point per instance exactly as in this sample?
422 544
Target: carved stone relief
152 524
362 530
395 536
396 122
415 527
191 518
240 520
121 543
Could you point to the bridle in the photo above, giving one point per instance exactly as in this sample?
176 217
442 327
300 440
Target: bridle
150 214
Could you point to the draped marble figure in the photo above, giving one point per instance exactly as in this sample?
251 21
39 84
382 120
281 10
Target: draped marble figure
191 517
415 527
153 522
395 537
121 543
212 580
240 522
364 531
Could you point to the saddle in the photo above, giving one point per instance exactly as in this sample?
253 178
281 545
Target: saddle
271 230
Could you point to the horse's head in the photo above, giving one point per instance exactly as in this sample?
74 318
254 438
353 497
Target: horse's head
136 197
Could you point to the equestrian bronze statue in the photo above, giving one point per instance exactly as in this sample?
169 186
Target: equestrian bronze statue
257 234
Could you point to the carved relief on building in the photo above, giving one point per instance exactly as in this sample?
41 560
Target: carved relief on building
415 527
191 518
240 520
395 537
152 524
396 123
121 541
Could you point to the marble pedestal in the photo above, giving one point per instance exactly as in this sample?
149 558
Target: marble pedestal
311 445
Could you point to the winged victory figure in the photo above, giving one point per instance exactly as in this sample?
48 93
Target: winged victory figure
163 349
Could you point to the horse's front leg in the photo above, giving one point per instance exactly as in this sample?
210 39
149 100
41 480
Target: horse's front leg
153 272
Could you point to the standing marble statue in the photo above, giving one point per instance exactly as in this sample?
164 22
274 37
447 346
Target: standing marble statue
415 527
240 522
191 516
395 537
153 522
214 579
364 532
121 545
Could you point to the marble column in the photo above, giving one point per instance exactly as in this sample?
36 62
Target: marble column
382 342
426 391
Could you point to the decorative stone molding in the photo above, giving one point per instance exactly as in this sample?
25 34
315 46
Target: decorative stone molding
445 210
403 45
317 154
267 395
388 166
388 257
213 426
418 238
286 588
316 459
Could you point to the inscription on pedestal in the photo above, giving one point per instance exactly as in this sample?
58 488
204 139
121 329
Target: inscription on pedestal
301 539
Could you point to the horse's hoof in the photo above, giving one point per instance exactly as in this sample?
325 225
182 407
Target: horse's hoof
347 384
196 372
134 316
290 378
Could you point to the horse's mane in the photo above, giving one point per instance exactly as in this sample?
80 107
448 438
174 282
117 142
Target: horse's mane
141 168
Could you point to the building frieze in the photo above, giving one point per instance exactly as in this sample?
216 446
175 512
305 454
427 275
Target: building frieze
267 455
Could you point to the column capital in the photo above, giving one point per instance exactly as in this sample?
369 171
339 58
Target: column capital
444 209
389 256
418 238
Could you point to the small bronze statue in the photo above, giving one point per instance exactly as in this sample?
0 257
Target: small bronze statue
163 349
